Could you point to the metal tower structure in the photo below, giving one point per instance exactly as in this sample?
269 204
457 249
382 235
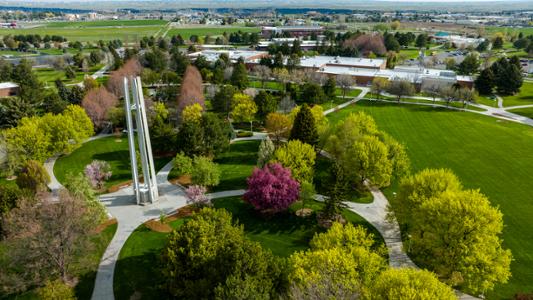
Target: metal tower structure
145 192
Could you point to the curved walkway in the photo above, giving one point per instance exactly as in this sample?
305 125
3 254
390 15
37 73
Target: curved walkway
129 216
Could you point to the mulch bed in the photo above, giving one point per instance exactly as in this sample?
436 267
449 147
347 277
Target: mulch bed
104 225
157 226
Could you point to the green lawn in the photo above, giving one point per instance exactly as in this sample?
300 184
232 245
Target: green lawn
349 93
15 53
273 85
138 270
109 149
487 100
202 31
526 112
486 153
525 96
236 165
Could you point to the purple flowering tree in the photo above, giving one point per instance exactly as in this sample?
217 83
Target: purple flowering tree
98 172
272 188
196 196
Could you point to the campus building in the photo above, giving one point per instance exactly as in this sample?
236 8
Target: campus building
304 45
457 40
292 31
363 70
250 58
8 89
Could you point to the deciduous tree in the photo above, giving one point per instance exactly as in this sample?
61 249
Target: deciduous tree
97 104
299 158
192 90
278 125
407 283
271 189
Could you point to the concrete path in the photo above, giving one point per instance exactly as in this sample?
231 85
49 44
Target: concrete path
129 216
375 213
364 91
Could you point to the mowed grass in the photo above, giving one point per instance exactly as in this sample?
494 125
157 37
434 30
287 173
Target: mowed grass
526 112
486 153
109 149
90 34
202 31
138 269
236 165
50 75
525 96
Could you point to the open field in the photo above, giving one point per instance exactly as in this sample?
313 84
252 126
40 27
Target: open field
525 96
90 34
50 75
186 32
138 269
104 23
110 149
486 153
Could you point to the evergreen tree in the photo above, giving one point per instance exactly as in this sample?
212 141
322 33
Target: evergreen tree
484 83
329 87
265 153
337 191
507 76
222 100
265 104
469 65
239 77
304 127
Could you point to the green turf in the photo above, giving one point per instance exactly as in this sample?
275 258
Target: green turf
15 53
486 153
487 100
202 31
50 75
525 96
114 151
526 112
272 85
138 268
104 23
349 93
236 165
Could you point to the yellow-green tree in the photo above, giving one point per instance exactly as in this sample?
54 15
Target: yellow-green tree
243 109
339 265
299 158
367 159
192 113
408 284
457 235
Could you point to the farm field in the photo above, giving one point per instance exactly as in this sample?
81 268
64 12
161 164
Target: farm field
186 32
485 153
90 34
104 23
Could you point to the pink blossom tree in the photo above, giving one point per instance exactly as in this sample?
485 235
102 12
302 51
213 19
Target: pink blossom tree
196 196
192 90
98 172
272 188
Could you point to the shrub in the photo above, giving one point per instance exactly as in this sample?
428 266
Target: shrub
205 172
98 172
196 196
182 164
33 176
272 188
56 290
242 133
209 256
299 158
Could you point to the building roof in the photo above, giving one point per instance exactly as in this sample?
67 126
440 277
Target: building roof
8 85
292 28
411 74
321 61
234 55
